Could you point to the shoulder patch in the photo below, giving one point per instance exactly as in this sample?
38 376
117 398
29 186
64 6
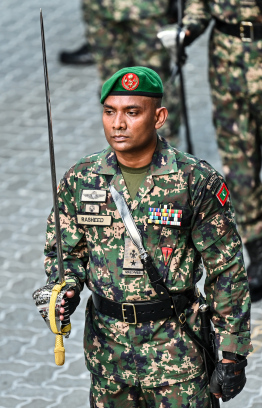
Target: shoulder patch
212 180
223 194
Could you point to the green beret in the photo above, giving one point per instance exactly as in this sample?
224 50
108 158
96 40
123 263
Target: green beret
133 81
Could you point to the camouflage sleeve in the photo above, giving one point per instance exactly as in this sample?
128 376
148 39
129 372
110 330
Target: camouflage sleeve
196 18
215 236
75 252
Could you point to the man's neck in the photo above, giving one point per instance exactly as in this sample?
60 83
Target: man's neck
137 159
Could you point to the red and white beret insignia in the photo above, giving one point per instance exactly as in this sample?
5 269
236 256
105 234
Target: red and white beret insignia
130 81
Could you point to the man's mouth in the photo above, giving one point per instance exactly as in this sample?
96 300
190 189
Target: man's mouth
119 138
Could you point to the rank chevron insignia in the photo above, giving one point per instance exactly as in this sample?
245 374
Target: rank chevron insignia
166 252
223 194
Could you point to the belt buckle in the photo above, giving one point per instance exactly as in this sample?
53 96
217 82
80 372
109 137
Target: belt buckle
124 310
244 24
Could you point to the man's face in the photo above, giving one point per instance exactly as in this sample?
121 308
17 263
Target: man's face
129 123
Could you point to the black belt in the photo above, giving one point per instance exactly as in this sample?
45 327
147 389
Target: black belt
246 30
145 311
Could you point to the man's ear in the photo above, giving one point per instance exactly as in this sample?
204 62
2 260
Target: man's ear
161 116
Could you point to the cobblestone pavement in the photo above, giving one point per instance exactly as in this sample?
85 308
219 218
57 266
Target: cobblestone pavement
28 375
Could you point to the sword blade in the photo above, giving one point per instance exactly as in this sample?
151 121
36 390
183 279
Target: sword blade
52 159
128 220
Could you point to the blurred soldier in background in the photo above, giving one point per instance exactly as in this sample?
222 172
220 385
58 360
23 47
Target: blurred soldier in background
123 33
235 73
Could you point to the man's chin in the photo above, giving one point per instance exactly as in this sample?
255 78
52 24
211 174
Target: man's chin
120 145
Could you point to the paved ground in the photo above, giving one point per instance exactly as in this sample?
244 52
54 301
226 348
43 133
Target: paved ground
28 375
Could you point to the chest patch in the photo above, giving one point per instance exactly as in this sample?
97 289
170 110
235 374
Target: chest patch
166 253
92 208
103 220
98 196
132 262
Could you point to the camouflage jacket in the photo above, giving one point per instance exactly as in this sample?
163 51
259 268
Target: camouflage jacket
154 353
198 13
124 10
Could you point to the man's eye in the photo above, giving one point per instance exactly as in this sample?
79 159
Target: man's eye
132 113
108 111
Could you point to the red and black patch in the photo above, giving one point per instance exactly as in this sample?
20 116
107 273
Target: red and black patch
166 252
223 194
130 81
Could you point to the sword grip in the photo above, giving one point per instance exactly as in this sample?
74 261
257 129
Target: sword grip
66 320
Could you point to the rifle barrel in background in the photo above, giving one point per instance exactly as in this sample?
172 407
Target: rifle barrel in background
179 70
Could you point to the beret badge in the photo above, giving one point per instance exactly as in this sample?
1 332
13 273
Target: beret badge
130 81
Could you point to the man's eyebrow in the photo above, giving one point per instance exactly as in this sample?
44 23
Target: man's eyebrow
126 107
133 107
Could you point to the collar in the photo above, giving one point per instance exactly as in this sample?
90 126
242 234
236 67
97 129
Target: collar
163 161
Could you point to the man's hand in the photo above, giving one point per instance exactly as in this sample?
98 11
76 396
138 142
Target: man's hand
73 301
224 361
226 382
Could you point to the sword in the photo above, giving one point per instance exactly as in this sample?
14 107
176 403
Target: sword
52 159
65 326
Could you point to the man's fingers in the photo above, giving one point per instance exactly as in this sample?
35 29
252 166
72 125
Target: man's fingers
217 395
70 294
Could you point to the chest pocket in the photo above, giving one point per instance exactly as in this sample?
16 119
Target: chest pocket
96 217
174 252
98 271
169 251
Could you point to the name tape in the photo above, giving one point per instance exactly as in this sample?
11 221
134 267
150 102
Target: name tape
104 220
132 272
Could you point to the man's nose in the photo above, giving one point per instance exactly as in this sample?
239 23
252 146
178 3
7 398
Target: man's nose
119 122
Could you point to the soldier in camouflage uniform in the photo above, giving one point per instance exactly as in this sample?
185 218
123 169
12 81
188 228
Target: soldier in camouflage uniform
152 362
124 33
235 73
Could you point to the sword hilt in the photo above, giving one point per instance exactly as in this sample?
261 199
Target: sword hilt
65 325
59 350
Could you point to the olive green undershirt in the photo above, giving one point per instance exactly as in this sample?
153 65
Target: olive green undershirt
133 178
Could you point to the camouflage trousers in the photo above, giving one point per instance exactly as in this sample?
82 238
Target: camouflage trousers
105 393
119 44
236 85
